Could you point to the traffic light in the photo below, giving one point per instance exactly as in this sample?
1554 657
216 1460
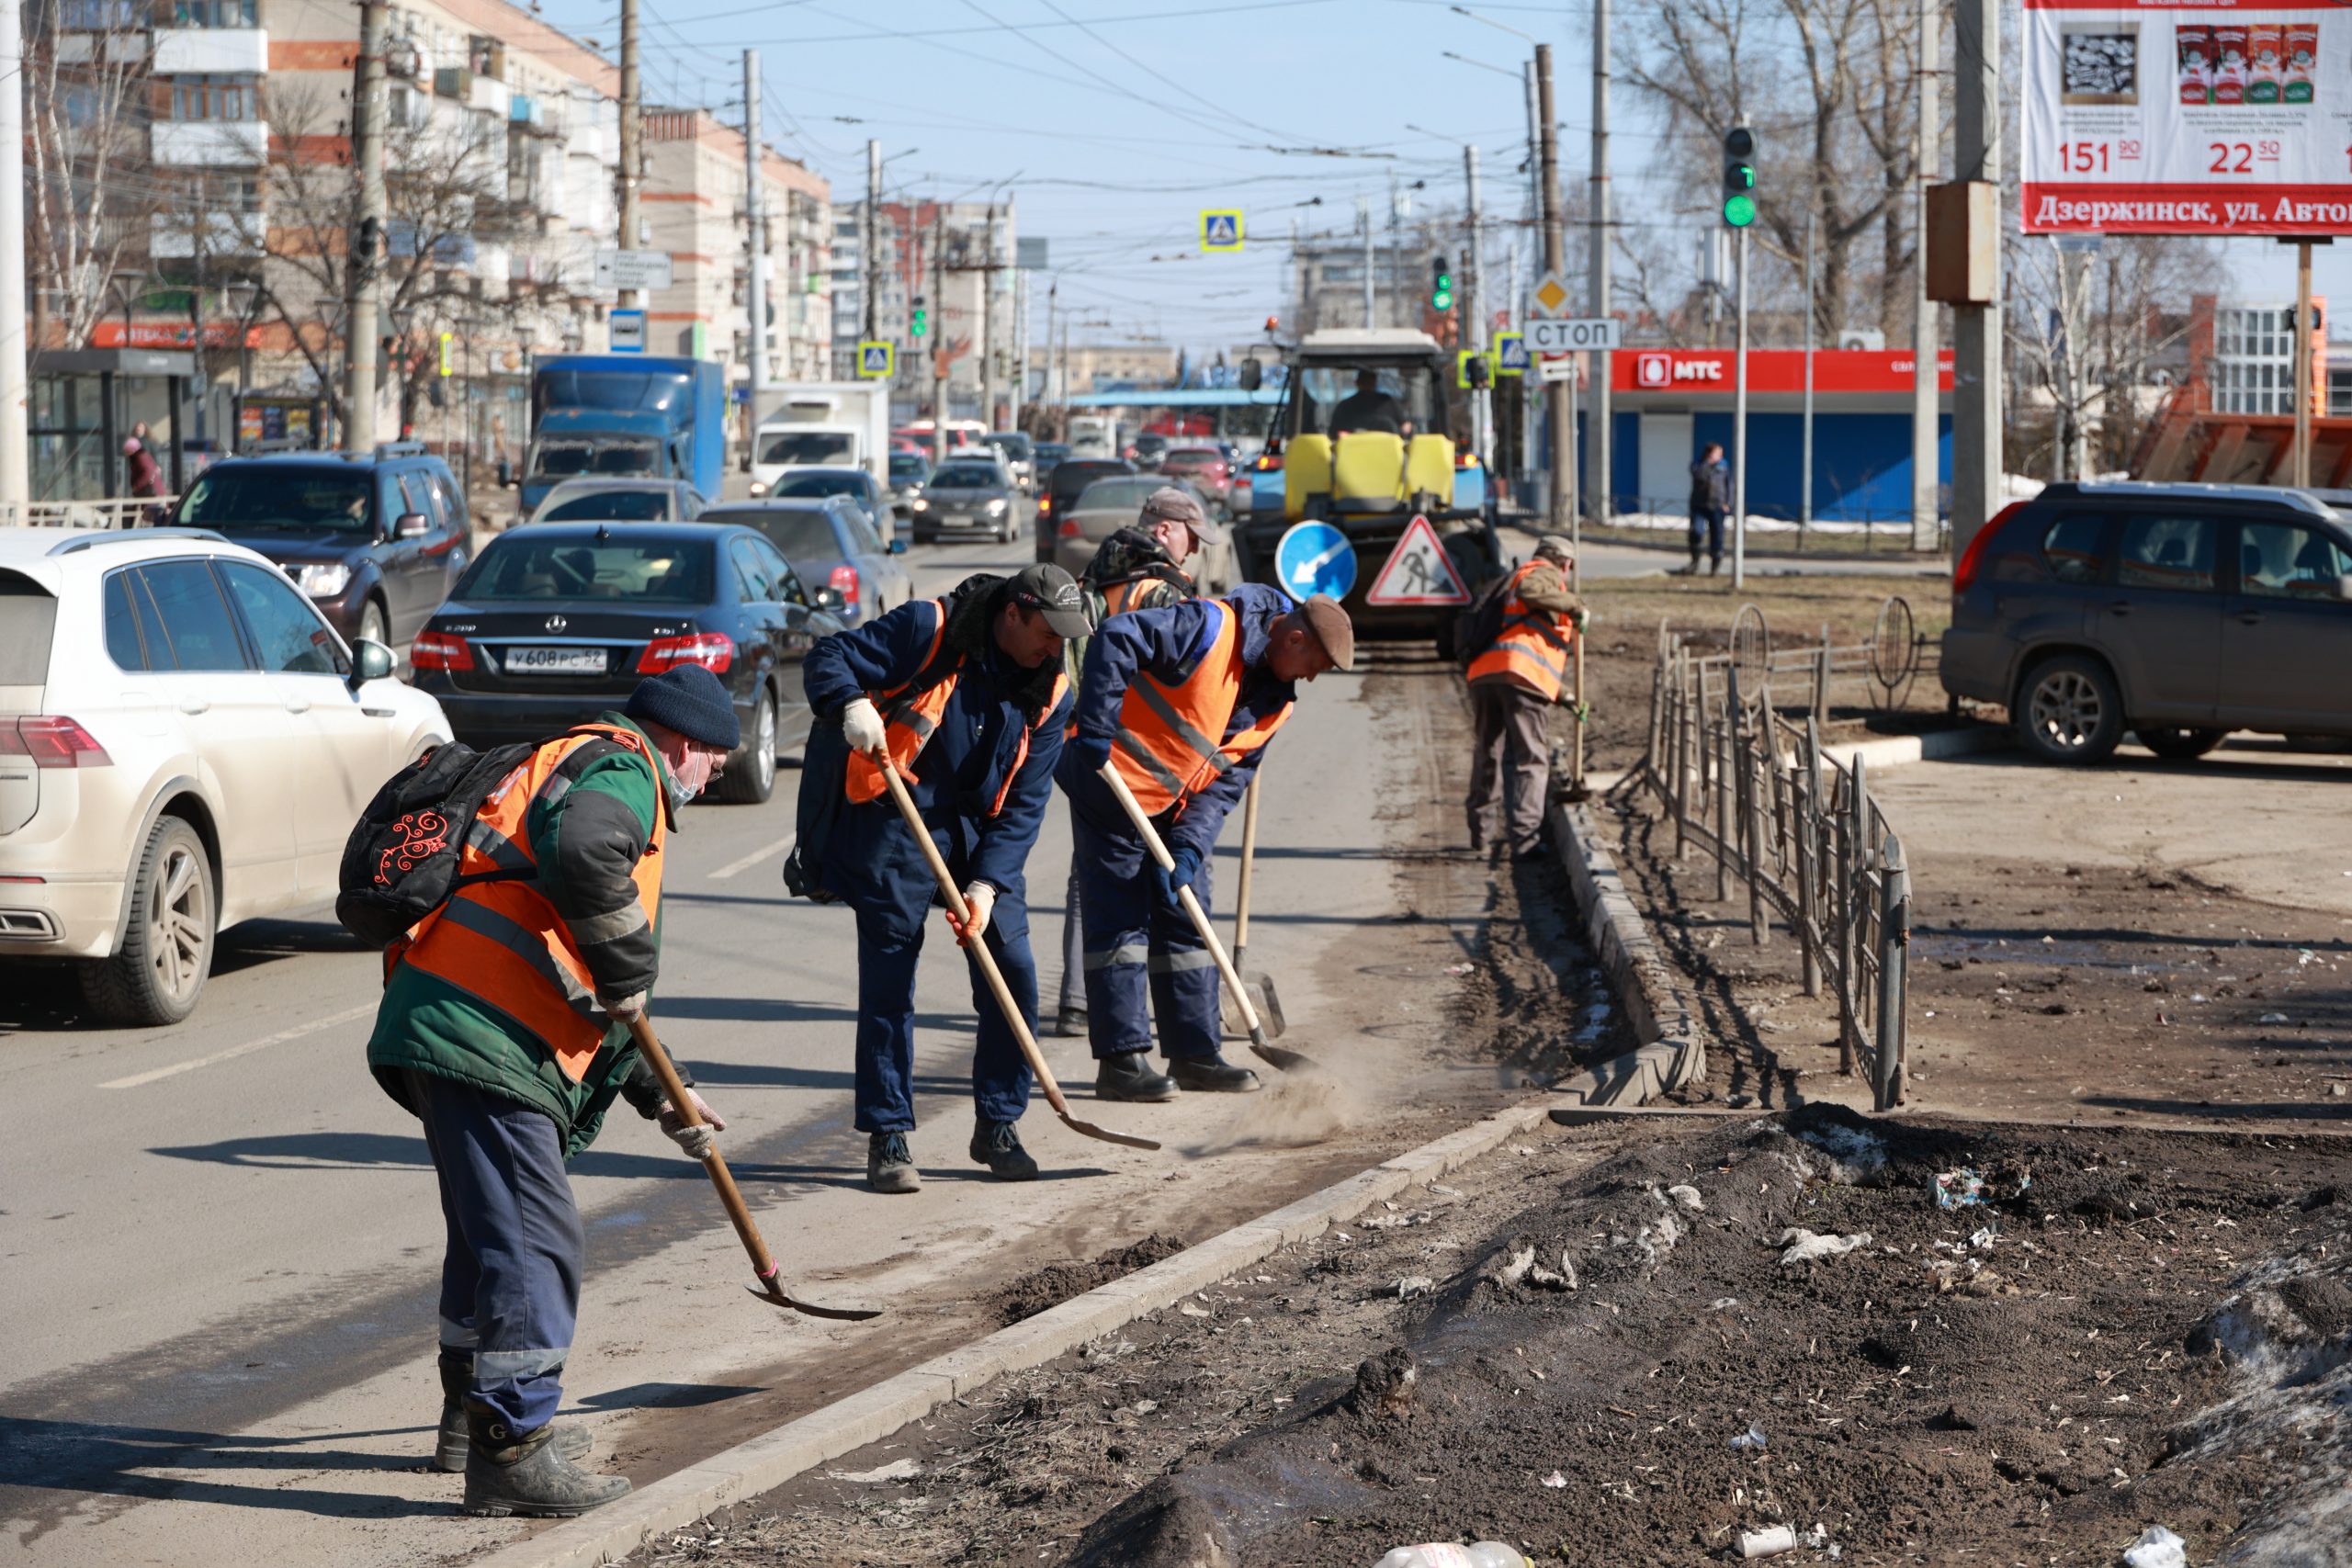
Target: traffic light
1739 176
921 324
1440 285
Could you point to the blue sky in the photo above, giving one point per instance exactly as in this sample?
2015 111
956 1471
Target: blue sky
1119 121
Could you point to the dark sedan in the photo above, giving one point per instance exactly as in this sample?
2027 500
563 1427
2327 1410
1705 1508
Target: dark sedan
859 486
966 495
825 537
558 622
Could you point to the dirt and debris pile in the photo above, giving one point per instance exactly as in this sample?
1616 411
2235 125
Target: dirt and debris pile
1057 1282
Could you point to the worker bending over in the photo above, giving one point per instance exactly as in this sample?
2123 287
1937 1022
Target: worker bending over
504 1029
968 696
1182 701
1515 677
1139 568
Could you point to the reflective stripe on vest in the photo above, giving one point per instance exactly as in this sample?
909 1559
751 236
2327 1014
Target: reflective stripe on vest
503 942
1168 748
1531 649
908 721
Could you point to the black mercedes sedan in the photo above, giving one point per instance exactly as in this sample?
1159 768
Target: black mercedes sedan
557 622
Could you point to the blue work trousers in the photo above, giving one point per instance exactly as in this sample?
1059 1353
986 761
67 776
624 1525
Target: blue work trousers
888 944
510 1277
1137 945
1707 529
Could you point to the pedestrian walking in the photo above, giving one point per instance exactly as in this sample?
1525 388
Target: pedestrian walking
505 1030
1516 674
1139 568
146 475
1183 700
1710 499
968 697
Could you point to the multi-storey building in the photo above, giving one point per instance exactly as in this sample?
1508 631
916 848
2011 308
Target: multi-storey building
958 259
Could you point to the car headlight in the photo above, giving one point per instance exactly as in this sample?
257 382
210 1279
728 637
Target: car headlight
324 580
758 489
921 504
996 508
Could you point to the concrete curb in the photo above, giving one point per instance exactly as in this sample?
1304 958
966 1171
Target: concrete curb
1932 747
775 1457
1655 997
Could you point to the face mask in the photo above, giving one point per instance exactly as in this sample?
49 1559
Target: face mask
689 777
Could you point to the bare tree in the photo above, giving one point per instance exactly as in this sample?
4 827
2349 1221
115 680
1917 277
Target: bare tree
91 186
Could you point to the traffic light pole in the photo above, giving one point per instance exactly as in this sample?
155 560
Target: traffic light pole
1739 430
1562 509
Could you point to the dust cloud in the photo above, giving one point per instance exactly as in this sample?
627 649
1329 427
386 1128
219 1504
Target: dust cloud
1294 1111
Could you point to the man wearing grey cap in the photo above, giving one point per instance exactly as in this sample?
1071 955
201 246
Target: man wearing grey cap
967 697
1181 702
1516 673
1140 567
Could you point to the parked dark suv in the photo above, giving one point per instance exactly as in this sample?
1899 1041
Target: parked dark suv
376 539
2177 611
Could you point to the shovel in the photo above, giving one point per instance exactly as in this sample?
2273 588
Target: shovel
1272 1056
763 1267
1260 985
986 961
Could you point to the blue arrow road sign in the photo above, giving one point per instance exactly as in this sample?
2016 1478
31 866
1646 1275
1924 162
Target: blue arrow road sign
1315 557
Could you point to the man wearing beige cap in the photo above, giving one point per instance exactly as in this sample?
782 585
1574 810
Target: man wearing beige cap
1183 702
1519 668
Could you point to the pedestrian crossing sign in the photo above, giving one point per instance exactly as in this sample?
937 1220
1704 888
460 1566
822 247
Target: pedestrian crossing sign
1220 230
1511 354
1418 571
878 360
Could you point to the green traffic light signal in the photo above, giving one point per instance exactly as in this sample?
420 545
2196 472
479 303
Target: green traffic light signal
1739 212
921 324
1440 285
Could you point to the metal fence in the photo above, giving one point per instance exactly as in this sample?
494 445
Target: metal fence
110 512
1797 828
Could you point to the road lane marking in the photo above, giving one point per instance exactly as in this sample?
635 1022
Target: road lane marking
766 852
280 1038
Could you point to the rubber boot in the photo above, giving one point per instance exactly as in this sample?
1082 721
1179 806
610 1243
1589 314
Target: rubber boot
1069 1023
451 1440
889 1167
997 1145
510 1472
1213 1074
1128 1076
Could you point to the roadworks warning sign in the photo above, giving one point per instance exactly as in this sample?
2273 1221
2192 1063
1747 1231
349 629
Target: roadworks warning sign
1418 571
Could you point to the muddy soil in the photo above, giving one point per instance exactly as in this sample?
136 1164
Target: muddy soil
1041 1288
2148 1330
2062 992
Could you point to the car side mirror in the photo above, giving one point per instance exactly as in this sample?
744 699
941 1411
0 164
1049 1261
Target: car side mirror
371 661
1252 376
897 544
2344 587
411 525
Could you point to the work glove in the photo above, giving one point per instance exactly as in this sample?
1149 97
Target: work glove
1093 751
862 726
979 899
696 1141
1188 867
626 1008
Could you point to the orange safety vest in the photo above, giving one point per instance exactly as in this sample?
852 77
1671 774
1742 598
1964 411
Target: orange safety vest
1165 748
910 720
1532 648
502 943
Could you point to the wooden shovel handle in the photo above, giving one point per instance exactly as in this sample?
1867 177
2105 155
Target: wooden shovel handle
1248 864
648 1045
1158 851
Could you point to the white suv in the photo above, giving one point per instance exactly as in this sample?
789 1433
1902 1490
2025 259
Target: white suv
183 744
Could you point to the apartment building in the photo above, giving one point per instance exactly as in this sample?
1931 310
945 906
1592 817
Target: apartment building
955 257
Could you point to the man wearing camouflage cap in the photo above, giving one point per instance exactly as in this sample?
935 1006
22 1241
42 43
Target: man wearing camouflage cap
1516 674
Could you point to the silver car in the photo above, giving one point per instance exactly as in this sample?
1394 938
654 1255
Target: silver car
620 501
1110 504
966 495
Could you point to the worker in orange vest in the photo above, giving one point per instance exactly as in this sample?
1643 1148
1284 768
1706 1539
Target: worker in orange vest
1515 677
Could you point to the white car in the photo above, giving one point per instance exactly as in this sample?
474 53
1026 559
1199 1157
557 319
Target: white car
185 744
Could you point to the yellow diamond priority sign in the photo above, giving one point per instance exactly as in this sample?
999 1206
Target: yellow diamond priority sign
1551 294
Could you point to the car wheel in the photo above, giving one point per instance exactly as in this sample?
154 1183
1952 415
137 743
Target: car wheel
167 952
750 777
373 627
2177 744
2069 711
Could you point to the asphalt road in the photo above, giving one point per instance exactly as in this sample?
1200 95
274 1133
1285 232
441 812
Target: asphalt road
219 1242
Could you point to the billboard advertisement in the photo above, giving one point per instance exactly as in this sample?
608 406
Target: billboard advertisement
2188 119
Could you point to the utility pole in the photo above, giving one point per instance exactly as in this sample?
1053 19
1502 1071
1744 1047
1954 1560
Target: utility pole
1371 300
1603 487
873 238
986 341
1805 463
364 327
1020 344
1926 444
1474 322
939 334
1739 430
632 143
2300 469
16 443
756 219
1977 371
1556 246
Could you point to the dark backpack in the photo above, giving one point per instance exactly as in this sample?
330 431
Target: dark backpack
1478 624
401 862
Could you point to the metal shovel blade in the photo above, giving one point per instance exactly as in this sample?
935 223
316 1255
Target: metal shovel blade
772 1291
1263 997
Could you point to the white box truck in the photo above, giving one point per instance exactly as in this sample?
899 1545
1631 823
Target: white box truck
813 425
